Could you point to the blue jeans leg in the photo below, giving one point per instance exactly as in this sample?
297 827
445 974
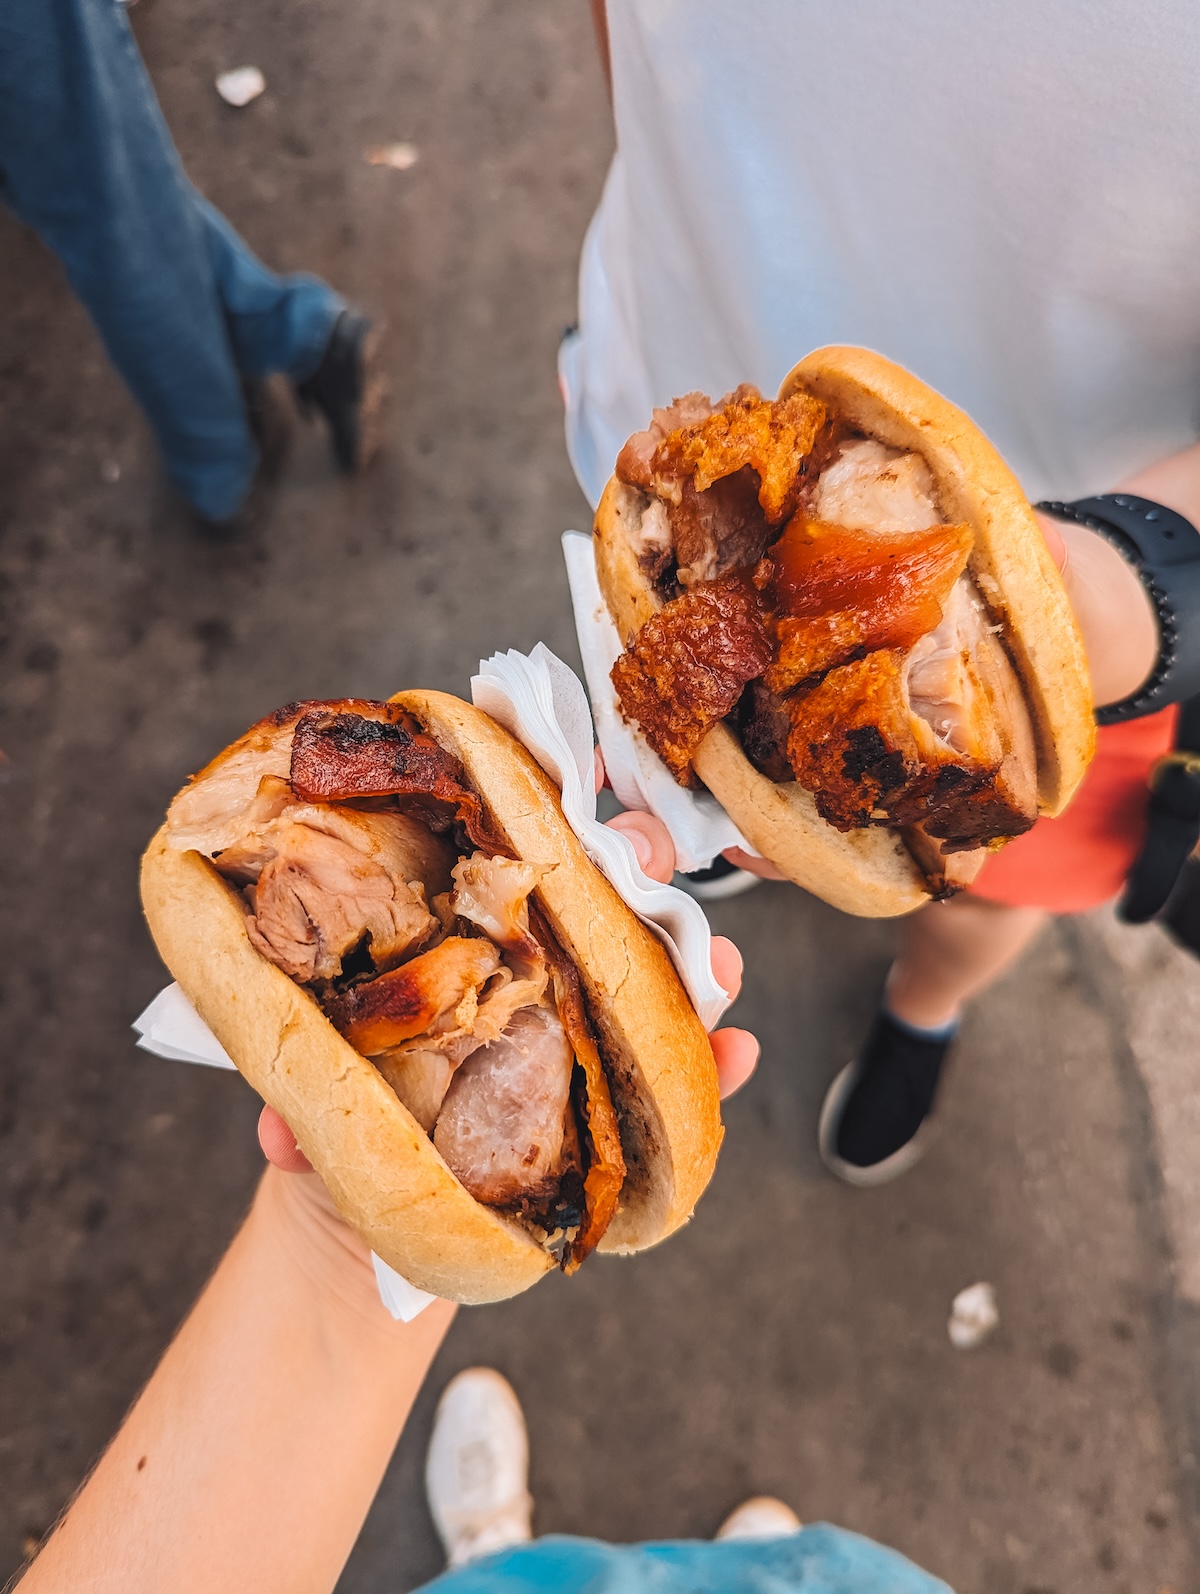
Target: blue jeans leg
275 323
88 163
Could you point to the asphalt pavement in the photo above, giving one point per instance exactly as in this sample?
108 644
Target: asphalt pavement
793 1339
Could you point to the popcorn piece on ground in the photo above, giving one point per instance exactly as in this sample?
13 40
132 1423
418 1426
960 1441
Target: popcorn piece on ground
243 84
973 1316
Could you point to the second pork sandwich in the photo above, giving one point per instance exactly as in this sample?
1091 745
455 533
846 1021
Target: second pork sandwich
382 914
839 615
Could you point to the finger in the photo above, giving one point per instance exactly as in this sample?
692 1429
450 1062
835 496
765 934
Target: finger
279 1143
726 965
735 1052
753 864
1054 539
651 842
598 765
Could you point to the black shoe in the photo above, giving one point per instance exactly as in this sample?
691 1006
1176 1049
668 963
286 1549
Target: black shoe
345 392
876 1121
721 879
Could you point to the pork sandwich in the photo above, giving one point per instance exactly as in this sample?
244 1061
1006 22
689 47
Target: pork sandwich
839 614
381 913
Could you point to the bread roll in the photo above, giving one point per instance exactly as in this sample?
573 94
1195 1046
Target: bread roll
382 1170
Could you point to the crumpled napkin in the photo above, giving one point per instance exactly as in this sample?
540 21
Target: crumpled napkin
544 705
699 826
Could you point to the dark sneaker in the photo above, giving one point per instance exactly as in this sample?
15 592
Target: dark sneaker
721 879
345 391
876 1121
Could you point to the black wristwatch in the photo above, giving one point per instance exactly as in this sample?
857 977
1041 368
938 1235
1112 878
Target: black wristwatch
1164 548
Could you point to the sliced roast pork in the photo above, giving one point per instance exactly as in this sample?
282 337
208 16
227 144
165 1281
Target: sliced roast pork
871 487
318 897
502 1127
720 480
493 893
436 991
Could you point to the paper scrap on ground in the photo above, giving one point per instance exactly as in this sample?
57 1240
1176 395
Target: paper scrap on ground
400 157
241 85
542 702
973 1316
699 826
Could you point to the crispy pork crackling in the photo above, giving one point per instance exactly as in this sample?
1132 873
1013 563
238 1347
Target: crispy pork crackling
382 914
839 614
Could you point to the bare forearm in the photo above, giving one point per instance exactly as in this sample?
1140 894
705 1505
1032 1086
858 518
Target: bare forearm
1174 481
252 1457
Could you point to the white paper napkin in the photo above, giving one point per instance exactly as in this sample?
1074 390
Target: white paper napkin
543 704
699 826
171 1027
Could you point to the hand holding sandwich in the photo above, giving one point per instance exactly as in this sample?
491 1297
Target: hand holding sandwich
275 1411
380 910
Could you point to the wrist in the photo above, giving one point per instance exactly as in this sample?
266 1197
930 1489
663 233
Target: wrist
1112 609
313 1254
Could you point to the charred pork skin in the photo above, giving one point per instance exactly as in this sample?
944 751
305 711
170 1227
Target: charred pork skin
867 667
689 665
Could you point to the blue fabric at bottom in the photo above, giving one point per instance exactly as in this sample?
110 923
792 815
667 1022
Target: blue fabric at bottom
817 1560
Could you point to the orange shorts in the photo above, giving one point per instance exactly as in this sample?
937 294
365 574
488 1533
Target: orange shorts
1080 859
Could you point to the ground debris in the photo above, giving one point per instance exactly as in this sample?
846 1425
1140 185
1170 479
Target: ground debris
973 1316
241 85
400 157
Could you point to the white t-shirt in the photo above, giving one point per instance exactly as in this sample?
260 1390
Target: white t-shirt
1005 198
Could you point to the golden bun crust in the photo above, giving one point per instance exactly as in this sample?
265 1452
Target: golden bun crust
870 872
384 1173
1009 561
658 1058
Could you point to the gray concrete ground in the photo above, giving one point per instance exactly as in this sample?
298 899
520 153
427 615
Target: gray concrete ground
793 1339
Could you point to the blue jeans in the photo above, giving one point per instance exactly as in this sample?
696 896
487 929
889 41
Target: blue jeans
817 1560
184 309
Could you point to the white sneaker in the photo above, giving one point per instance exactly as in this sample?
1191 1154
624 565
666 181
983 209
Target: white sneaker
764 1517
477 1469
